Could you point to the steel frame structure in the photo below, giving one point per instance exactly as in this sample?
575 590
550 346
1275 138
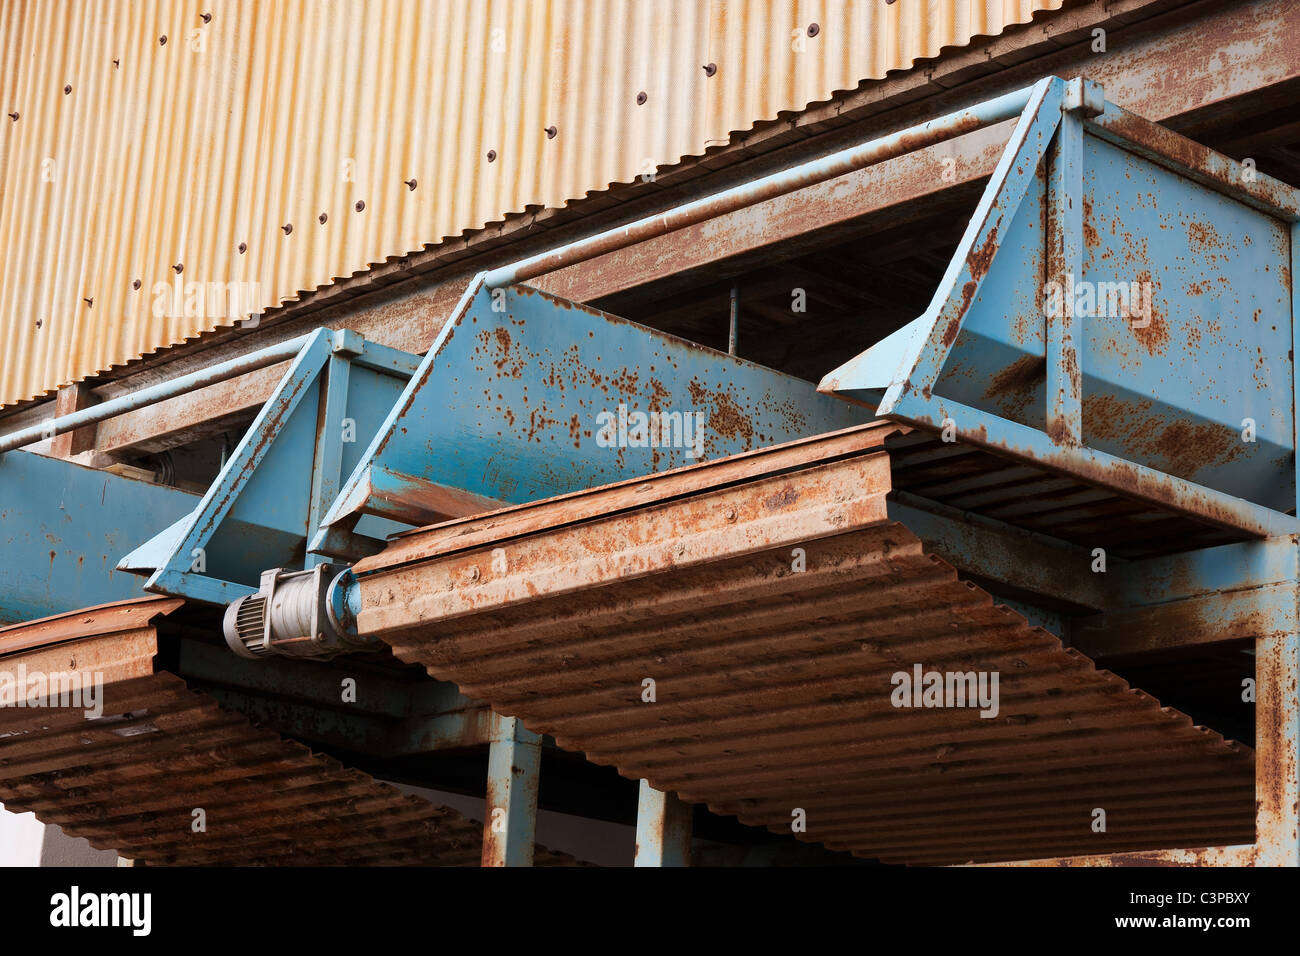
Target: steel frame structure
902 378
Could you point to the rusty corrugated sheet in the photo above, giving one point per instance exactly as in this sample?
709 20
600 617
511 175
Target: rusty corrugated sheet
130 780
153 142
771 600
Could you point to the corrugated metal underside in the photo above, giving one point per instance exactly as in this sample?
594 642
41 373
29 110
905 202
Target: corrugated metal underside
132 780
283 144
1023 494
773 684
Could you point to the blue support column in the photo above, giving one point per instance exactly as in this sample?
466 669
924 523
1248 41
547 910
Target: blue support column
510 823
663 829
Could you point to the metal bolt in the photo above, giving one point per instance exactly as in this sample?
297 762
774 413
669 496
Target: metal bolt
243 247
39 323
14 116
492 155
641 98
550 132
323 218
67 89
90 303
360 205
205 17
116 62
411 183
135 284
731 514
178 268
710 69
813 29
162 40
287 227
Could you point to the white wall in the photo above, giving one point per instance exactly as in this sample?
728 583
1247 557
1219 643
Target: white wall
25 841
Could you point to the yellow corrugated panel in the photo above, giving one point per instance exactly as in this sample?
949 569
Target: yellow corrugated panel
165 135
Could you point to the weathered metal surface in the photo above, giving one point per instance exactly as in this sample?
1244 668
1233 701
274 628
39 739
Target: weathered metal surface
281 117
1277 747
510 823
63 528
1168 391
131 780
525 396
663 828
1212 72
771 611
270 497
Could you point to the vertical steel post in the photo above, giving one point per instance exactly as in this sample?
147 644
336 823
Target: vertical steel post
1277 750
326 475
510 823
1064 265
663 829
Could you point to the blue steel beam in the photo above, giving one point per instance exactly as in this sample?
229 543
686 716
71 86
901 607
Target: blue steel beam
62 529
1172 399
525 396
271 494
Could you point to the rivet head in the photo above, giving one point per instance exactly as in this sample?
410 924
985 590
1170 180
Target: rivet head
287 227
243 247
551 131
491 154
135 284
323 218
710 69
39 323
814 29
205 17
411 183
162 40
360 205
67 89
178 268
731 514
641 98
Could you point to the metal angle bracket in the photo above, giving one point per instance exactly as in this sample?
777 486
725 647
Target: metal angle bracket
272 492
1121 308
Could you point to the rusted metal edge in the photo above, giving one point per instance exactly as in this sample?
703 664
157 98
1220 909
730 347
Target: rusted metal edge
127 615
605 500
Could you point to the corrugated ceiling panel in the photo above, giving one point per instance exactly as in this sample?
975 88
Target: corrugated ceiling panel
283 144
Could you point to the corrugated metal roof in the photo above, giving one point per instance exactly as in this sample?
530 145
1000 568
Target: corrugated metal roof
771 601
130 780
158 137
